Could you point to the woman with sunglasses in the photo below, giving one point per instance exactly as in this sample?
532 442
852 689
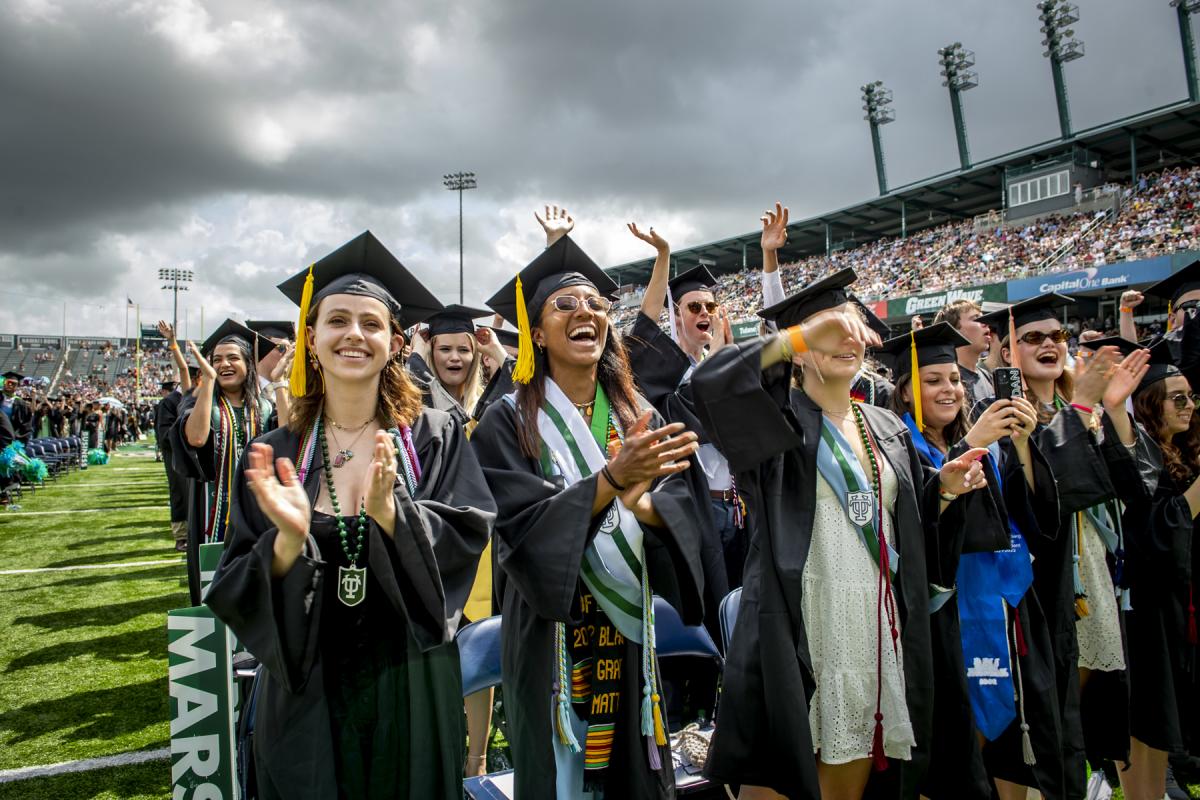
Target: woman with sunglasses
1097 459
830 668
354 538
995 711
594 519
1160 575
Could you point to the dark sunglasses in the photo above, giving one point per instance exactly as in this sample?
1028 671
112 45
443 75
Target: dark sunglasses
1191 307
569 302
1035 338
696 305
1180 399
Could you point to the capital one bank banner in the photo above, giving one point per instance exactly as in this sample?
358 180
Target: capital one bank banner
1110 276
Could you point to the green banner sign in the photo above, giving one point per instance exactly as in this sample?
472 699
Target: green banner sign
210 557
203 745
933 302
744 329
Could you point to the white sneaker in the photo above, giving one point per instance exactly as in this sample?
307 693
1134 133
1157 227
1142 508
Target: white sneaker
1098 788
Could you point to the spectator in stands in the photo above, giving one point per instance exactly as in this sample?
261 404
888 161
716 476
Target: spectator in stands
963 316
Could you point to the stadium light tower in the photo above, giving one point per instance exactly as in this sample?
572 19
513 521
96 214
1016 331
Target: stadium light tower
877 103
172 278
1184 10
1061 46
460 182
959 77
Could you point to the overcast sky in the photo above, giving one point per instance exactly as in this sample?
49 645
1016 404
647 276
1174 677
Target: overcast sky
242 139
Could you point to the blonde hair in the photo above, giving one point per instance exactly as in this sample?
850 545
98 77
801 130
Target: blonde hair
473 386
1064 386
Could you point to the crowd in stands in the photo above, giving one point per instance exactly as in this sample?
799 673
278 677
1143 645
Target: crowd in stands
1156 216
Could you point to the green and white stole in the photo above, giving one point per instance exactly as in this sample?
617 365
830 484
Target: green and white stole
613 568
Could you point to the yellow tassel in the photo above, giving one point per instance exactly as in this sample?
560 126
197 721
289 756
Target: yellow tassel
1081 607
660 736
523 369
916 384
298 380
1169 316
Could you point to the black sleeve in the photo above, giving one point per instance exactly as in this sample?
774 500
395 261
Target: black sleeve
1133 470
500 384
657 361
1075 459
193 462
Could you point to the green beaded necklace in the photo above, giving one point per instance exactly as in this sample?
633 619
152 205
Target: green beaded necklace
352 583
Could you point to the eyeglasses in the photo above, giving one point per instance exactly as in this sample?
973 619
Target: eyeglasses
569 302
1035 338
1190 307
1181 399
695 306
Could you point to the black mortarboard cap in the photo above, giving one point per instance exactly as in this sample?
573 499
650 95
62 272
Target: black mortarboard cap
13 376
829 292
229 329
1035 309
1179 283
455 319
1124 345
881 328
167 385
506 337
1162 366
560 265
363 266
273 329
936 344
695 279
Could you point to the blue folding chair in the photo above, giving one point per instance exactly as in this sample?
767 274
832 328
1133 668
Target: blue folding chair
727 615
479 654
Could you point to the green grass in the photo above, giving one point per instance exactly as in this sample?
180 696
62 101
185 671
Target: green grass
83 665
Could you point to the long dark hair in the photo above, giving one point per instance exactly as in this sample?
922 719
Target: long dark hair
1181 452
613 373
952 433
250 387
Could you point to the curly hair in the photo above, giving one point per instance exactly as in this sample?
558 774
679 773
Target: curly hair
1181 452
399 397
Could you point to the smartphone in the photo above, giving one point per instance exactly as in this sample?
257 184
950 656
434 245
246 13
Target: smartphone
1008 383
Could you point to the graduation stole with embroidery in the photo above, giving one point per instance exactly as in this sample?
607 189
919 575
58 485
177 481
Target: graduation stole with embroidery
617 601
231 433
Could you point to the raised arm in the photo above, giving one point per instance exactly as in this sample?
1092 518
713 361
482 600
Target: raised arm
181 370
199 424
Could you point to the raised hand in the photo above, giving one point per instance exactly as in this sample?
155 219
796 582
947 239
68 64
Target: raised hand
279 493
490 346
651 238
1131 299
993 424
283 366
381 482
207 373
166 331
648 455
1024 421
556 222
1092 375
964 474
774 231
1125 379
422 345
827 331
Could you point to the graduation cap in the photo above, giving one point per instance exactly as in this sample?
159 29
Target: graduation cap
1162 366
273 329
13 376
1177 284
1124 345
907 353
364 267
829 292
696 279
455 319
506 337
167 385
881 328
561 265
1035 309
229 329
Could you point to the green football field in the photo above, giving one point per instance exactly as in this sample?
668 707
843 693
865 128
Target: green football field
83 659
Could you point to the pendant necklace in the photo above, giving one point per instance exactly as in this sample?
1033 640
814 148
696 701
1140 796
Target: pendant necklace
346 453
352 580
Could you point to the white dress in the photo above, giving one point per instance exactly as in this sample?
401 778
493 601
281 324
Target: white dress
841 617
1100 631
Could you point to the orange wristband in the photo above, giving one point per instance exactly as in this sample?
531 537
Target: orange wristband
1126 310
796 340
174 346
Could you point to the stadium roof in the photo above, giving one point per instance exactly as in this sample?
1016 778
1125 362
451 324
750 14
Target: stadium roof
1166 137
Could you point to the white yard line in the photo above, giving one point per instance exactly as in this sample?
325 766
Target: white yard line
178 563
12 514
85 765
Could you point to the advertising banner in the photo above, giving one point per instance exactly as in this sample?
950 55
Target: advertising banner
932 302
1110 276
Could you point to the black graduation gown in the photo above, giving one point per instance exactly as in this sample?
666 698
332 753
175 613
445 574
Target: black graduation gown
22 421
958 768
659 367
770 432
1158 571
500 384
421 577
542 530
1088 472
7 437
165 414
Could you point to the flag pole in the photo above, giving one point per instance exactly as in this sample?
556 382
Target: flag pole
137 369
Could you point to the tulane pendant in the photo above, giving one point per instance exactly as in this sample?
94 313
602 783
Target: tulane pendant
860 506
352 585
342 457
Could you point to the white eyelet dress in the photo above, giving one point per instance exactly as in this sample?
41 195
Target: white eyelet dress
841 617
1099 632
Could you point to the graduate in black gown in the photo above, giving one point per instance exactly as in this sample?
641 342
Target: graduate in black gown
274 345
593 518
1097 459
354 538
830 666
447 358
17 408
215 423
995 709
1160 624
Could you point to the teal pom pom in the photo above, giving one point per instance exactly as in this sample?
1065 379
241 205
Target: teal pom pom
97 457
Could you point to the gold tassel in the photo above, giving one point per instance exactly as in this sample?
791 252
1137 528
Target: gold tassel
1081 607
916 384
523 369
660 736
298 380
1169 316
